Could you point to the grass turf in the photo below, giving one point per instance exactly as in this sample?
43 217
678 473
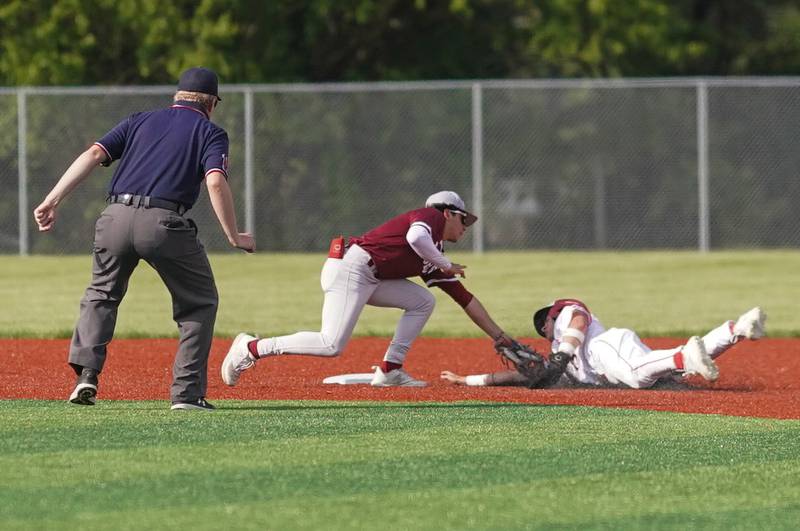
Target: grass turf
664 293
321 465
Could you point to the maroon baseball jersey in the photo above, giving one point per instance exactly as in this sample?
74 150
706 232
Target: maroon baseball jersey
394 257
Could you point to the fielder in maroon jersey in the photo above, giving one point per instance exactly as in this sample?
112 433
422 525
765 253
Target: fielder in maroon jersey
374 269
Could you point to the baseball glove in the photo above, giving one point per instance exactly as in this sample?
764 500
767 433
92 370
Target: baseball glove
539 370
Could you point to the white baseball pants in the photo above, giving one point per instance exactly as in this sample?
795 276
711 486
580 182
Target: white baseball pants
349 284
621 358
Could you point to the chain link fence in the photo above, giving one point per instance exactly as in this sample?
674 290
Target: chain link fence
597 164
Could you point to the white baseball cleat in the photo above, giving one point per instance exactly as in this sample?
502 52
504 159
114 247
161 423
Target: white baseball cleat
751 324
237 360
697 361
395 378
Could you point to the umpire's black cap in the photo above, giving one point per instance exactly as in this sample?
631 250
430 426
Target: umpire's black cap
200 79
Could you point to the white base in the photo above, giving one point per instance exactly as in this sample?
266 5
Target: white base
350 379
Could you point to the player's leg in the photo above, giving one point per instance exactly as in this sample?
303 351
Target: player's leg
623 359
720 339
417 304
347 288
113 264
348 283
749 325
693 358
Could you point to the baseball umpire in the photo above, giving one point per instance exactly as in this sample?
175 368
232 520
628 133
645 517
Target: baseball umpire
164 157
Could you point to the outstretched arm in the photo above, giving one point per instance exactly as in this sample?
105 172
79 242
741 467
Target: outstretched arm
45 213
481 317
222 201
491 379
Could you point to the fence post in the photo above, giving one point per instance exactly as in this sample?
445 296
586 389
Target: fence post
703 235
249 199
477 166
22 168
600 218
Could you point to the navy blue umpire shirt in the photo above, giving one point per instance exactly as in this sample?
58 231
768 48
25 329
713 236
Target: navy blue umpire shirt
157 158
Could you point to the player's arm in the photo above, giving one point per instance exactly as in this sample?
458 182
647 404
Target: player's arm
471 305
419 239
222 202
481 380
481 317
45 213
572 338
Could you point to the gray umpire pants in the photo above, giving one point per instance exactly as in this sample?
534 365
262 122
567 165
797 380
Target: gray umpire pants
168 242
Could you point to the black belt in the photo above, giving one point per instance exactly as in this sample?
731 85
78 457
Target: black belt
147 201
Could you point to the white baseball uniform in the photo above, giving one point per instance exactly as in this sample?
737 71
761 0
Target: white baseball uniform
618 357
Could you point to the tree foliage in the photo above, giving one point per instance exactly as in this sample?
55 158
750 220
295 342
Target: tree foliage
70 42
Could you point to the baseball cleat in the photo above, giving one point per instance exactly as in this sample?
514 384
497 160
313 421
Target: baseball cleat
697 361
85 391
237 360
200 405
84 394
395 378
751 324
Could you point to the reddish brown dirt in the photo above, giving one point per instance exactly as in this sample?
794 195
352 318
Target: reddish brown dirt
758 379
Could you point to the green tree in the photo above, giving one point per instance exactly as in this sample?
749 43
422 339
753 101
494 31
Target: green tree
69 42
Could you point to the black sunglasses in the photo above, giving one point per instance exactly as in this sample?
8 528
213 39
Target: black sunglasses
463 217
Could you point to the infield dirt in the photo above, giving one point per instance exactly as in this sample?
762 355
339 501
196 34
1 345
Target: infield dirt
758 379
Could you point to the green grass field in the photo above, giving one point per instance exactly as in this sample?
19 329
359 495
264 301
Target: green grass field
322 465
655 293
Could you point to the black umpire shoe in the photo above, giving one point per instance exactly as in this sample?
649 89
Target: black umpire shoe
85 391
200 404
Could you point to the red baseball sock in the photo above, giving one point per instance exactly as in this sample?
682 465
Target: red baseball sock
678 359
387 366
252 346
